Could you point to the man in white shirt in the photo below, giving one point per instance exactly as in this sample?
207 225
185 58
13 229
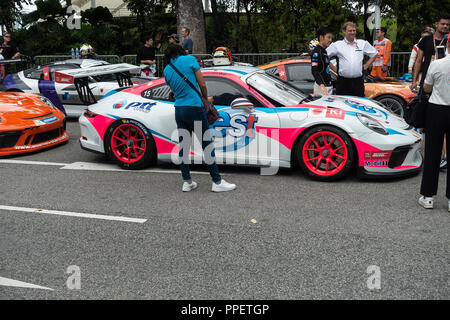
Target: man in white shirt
437 125
350 52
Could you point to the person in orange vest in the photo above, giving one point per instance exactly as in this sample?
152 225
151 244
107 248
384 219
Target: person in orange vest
382 62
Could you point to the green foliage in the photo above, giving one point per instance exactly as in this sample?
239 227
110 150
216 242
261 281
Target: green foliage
257 25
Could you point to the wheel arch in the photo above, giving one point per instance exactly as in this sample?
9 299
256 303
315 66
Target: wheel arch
294 150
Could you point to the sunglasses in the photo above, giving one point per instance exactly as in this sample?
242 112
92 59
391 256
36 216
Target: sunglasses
7 36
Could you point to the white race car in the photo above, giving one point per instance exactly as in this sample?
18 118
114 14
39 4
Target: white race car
273 125
41 80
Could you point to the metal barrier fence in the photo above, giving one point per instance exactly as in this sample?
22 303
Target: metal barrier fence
399 60
40 60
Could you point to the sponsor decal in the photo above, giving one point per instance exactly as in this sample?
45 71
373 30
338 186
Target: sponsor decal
42 144
377 154
136 106
376 163
63 78
119 104
138 124
335 113
374 112
48 120
317 112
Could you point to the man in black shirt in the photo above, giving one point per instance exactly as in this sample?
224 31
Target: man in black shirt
8 50
146 58
320 62
428 49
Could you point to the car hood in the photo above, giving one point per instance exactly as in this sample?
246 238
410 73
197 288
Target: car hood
353 105
22 106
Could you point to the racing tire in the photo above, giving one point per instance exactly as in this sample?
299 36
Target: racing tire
325 153
130 144
393 103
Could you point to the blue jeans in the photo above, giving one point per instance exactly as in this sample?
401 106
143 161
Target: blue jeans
185 118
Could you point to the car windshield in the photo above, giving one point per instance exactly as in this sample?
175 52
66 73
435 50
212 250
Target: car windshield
276 89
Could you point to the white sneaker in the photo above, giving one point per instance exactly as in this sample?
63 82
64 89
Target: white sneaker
426 202
223 186
189 186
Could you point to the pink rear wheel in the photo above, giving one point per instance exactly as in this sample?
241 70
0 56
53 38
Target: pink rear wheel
326 153
129 144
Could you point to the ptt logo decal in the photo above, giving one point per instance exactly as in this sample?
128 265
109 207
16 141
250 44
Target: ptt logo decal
377 154
48 120
236 126
119 104
136 106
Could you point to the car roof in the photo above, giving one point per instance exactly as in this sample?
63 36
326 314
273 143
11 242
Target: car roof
301 59
233 69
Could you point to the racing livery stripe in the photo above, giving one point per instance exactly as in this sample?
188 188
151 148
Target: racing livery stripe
285 136
230 70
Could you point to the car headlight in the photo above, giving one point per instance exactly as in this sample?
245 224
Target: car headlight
47 101
372 124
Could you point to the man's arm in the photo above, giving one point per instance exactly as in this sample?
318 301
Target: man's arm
370 51
417 67
369 62
387 53
412 59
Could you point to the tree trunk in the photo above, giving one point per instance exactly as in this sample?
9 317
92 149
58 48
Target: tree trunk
238 24
190 15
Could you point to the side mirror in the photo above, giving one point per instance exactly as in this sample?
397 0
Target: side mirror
242 103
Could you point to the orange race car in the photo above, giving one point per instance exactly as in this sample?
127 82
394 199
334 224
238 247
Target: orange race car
28 123
392 93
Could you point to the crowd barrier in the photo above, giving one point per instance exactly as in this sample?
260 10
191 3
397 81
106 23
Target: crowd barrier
399 60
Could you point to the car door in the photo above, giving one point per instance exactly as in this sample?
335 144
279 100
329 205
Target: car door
237 132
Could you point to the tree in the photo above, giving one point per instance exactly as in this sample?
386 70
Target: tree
9 12
190 14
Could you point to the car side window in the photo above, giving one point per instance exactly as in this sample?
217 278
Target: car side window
300 72
225 91
162 92
273 71
34 74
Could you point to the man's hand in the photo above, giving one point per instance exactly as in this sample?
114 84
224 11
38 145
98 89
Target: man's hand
384 68
210 99
413 85
324 90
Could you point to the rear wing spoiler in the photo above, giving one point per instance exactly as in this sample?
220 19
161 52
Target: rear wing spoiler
69 76
80 78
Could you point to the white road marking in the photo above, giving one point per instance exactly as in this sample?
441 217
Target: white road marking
93 166
14 283
73 214
39 163
114 167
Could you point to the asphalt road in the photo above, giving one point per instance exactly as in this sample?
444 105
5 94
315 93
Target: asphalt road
275 237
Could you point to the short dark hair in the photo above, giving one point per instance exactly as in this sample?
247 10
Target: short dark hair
147 37
173 51
383 29
443 16
187 30
322 31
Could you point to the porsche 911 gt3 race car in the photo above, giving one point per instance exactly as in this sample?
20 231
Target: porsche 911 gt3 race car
68 97
271 124
29 123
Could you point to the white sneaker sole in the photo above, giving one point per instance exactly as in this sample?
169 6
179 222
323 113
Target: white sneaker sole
223 190
427 206
190 189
